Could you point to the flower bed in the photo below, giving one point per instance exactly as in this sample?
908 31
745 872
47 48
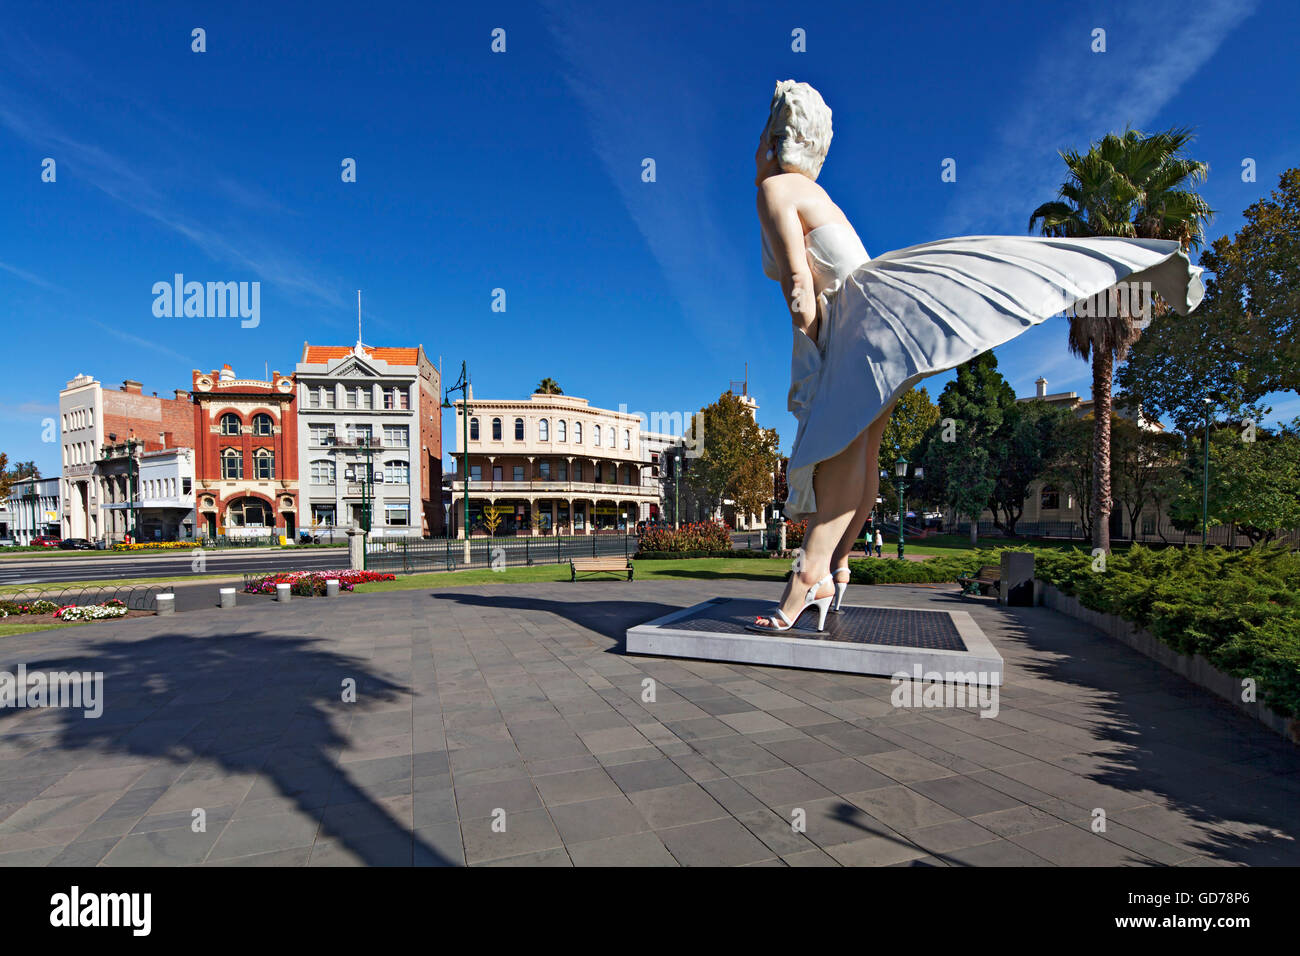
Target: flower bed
8 608
696 536
312 583
91 612
155 545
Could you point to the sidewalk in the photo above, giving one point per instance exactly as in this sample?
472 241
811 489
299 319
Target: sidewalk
514 703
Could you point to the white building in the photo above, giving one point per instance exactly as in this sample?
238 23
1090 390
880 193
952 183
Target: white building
383 400
165 509
31 510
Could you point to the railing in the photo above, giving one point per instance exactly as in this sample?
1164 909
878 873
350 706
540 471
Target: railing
136 598
418 555
549 487
1218 536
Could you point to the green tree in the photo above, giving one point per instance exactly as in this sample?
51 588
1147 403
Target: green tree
1244 340
1031 437
6 479
1131 185
1144 459
548 386
737 457
25 469
959 469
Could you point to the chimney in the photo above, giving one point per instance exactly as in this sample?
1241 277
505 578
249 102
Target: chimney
1041 390
132 386
182 395
227 374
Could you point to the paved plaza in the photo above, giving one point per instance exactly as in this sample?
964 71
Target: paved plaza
504 725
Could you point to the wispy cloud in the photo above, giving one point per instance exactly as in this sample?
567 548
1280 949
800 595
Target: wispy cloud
29 277
144 343
1071 97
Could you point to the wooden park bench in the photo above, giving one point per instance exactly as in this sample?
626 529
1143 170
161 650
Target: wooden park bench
986 579
612 565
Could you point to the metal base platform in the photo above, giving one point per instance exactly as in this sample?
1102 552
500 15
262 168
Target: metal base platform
925 645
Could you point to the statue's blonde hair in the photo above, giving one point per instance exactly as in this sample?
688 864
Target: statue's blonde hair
798 128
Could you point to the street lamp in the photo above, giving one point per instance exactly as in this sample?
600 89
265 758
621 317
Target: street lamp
1205 496
462 386
900 475
677 482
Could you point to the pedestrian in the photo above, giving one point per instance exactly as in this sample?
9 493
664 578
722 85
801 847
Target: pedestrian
880 543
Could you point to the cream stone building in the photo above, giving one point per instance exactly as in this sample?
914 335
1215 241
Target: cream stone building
551 464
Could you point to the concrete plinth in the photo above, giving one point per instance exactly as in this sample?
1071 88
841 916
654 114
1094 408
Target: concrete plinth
859 640
282 593
227 597
166 603
331 587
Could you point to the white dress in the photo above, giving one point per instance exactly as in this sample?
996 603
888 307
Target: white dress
886 323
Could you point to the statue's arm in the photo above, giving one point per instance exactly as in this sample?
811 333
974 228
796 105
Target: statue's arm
779 217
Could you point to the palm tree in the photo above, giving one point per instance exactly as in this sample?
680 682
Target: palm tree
548 386
1134 186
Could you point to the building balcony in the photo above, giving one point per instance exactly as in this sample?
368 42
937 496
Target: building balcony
542 488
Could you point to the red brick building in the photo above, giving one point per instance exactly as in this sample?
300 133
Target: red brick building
245 454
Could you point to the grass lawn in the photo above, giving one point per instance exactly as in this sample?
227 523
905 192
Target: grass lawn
177 579
26 623
747 569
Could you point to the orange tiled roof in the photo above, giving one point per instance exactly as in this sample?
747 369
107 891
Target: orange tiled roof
321 354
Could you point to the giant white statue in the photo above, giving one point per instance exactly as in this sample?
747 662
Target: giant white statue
866 330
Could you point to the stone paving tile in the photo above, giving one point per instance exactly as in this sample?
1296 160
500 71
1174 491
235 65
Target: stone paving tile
520 700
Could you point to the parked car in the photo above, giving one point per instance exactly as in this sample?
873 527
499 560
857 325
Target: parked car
7 542
45 541
76 544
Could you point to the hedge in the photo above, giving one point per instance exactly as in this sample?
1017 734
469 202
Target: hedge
1240 608
676 555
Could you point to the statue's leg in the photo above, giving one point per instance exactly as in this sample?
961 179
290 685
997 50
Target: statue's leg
870 488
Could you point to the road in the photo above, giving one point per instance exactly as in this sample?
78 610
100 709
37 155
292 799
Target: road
22 572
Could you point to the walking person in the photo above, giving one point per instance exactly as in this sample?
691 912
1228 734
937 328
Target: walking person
879 542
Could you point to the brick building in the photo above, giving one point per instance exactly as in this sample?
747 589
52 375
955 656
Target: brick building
245 454
103 434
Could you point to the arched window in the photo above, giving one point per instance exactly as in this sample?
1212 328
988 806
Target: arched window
322 472
562 430
1050 499
232 463
230 424
397 473
263 463
627 438
519 429
577 433
262 424
473 429
609 433
249 513
595 435
544 430
496 429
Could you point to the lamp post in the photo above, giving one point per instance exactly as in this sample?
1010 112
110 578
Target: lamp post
900 475
677 481
462 386
367 480
1205 494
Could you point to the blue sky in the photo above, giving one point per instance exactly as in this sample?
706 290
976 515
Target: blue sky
522 171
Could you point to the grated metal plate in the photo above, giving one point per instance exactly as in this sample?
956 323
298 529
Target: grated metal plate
891 627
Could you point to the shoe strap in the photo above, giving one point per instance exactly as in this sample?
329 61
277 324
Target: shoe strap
812 591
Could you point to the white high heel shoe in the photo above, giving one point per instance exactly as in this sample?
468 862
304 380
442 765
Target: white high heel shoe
840 588
810 601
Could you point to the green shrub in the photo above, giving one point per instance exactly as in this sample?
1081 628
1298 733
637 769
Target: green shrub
1240 609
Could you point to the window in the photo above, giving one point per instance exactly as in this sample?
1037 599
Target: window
544 430
1148 524
396 436
475 472
1050 499
232 464
654 465
577 471
627 438
321 434
597 478
496 429
185 486
322 515
397 473
496 472
473 429
609 433
262 424
327 396
364 396
519 429
249 513
544 470
519 473
350 398
399 515
313 398
264 463
562 470
229 424
595 435
396 398
561 430
359 434
577 433
322 472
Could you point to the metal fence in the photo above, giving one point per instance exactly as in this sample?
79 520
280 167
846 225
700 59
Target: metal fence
418 555
136 598
1218 536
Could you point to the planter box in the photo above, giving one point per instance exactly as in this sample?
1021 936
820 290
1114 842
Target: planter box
1194 668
